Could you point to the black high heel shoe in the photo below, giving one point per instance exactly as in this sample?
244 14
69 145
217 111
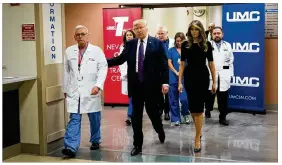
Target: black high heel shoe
196 150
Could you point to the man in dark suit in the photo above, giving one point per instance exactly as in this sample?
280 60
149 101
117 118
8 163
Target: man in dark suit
147 75
209 31
209 99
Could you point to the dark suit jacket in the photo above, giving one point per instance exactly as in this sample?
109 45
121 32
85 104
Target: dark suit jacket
155 66
207 33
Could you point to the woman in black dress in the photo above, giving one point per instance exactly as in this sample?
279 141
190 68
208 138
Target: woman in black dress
195 52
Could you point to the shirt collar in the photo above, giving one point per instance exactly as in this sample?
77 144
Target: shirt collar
145 39
218 43
166 41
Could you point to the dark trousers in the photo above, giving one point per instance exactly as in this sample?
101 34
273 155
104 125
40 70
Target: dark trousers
163 104
151 106
222 101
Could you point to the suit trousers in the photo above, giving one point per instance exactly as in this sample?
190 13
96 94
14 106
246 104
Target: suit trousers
164 105
151 104
222 101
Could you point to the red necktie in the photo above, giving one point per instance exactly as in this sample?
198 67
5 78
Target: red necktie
79 58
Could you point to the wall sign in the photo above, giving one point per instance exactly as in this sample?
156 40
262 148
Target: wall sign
52 33
271 20
28 32
199 12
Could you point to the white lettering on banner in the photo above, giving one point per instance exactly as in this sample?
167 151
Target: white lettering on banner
116 54
245 82
252 47
239 97
119 24
111 27
115 78
113 46
114 70
247 16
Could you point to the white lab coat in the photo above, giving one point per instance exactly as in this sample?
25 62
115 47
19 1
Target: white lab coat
123 75
93 71
170 43
209 37
222 57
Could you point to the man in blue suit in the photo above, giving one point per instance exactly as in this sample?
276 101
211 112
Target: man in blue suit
147 75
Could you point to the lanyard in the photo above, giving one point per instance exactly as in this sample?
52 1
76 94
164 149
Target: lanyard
80 56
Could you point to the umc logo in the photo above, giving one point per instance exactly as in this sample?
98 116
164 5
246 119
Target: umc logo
248 47
247 16
245 82
119 23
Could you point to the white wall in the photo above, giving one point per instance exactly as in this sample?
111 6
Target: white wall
17 54
214 14
202 18
20 58
175 19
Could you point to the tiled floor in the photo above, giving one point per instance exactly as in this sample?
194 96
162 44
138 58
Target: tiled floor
248 138
35 158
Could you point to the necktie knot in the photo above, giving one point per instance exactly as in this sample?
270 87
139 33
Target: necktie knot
140 60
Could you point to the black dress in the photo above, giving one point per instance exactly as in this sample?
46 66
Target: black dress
196 75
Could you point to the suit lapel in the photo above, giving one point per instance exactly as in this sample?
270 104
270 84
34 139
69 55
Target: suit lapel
74 57
134 50
149 46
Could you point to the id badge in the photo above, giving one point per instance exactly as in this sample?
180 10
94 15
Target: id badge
79 77
178 61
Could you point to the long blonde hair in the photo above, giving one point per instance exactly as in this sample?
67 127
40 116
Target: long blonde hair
202 41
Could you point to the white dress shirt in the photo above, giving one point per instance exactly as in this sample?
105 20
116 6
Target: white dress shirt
145 41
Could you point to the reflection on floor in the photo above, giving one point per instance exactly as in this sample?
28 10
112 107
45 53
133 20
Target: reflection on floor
34 158
248 138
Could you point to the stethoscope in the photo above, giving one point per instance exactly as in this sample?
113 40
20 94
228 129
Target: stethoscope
223 44
225 49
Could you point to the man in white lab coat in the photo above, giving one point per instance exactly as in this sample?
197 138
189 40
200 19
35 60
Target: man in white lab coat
85 70
223 60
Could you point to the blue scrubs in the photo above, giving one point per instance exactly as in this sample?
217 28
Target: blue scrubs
73 130
174 95
130 107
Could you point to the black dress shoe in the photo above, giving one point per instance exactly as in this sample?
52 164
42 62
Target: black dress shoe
68 153
208 114
167 117
162 137
128 122
197 150
95 146
224 122
136 151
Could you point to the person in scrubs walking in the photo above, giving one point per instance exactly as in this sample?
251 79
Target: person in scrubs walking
174 57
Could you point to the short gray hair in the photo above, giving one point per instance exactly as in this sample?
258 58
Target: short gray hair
161 27
81 26
140 21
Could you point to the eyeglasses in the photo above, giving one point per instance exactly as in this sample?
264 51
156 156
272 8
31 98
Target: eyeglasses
80 34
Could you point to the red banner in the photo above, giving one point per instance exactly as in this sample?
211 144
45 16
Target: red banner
115 23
